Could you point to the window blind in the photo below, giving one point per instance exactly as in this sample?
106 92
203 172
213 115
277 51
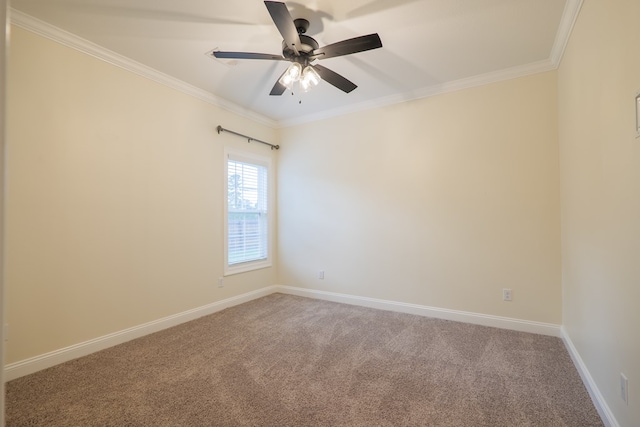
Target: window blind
247 225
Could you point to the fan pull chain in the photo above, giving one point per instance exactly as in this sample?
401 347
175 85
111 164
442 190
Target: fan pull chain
299 100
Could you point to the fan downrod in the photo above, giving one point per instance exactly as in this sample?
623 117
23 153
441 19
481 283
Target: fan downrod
302 25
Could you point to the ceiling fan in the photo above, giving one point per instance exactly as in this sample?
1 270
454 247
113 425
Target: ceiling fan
302 50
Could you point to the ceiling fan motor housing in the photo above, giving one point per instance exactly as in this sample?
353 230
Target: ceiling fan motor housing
308 44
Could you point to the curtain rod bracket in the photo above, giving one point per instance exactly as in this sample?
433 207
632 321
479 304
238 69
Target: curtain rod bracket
249 139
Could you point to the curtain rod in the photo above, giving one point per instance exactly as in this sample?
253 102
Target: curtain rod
249 139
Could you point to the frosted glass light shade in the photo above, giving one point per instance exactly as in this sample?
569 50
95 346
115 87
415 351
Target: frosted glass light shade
291 75
310 78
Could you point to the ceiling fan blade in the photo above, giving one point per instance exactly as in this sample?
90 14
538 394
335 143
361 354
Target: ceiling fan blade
347 47
278 89
283 20
335 79
248 55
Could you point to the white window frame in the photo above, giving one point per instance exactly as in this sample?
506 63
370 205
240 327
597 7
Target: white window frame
248 157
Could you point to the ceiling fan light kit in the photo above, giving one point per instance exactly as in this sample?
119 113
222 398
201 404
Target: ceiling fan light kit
302 50
308 77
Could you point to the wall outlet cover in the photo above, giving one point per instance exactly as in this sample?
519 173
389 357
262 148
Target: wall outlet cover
624 388
638 114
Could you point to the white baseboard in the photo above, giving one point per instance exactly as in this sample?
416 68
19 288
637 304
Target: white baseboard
598 400
47 360
422 310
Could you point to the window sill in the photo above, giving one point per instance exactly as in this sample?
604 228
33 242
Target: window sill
246 267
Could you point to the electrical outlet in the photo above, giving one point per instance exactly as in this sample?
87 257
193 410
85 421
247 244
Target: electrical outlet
220 282
624 388
506 294
321 274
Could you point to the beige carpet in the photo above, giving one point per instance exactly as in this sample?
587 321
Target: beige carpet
290 361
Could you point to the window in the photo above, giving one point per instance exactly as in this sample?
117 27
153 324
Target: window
246 213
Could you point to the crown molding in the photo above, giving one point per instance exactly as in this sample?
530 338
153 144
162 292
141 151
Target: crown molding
568 20
453 86
71 40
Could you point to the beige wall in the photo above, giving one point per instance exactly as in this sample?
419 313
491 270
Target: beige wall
441 202
4 27
600 188
114 200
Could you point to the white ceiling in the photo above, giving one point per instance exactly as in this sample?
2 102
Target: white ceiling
429 46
